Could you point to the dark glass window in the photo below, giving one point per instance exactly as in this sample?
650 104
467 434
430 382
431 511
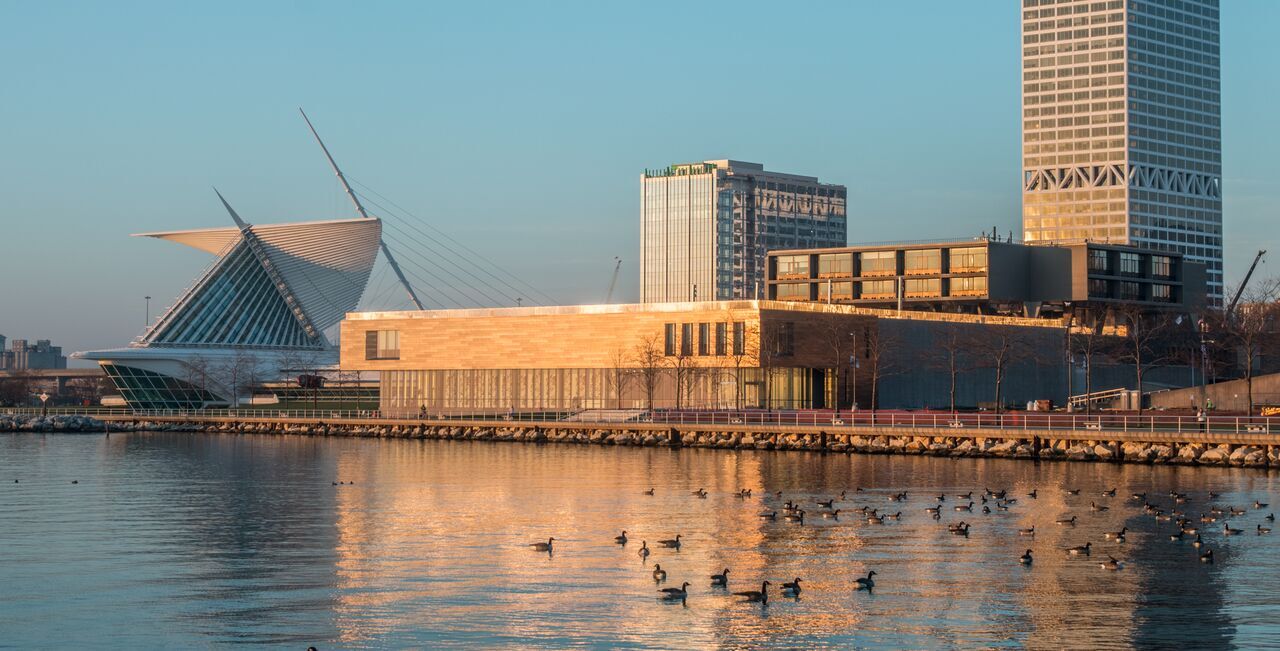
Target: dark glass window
739 338
1098 260
382 344
704 339
721 347
1130 264
669 340
686 339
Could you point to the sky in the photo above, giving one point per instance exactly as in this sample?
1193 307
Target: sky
520 129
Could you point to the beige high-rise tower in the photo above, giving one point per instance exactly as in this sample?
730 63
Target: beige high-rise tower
1121 131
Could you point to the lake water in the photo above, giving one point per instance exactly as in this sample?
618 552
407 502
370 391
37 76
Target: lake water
172 540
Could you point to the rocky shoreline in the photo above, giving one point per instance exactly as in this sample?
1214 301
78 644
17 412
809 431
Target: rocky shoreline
892 441
60 423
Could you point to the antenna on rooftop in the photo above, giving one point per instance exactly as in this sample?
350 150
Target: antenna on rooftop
413 296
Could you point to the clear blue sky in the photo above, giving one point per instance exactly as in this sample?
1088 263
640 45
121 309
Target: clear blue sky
520 128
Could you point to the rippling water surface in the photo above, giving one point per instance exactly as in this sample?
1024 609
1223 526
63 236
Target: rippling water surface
174 540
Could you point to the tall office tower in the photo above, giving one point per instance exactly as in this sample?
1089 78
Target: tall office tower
705 227
1121 130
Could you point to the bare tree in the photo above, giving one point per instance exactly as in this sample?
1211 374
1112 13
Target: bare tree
619 375
1087 342
879 348
741 352
237 373
649 360
683 364
951 355
1139 347
15 391
1251 330
195 371
998 348
839 337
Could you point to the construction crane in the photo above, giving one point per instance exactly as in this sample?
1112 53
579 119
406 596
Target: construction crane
1231 309
614 281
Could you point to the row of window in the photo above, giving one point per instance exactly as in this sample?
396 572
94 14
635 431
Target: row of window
678 339
382 344
880 263
881 289
1130 264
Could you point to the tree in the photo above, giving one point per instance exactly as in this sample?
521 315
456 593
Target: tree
649 359
1251 330
740 351
15 391
878 350
195 371
237 373
619 375
839 337
1087 341
951 356
683 364
1143 331
997 348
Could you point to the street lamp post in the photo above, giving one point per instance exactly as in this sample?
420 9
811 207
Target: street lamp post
148 299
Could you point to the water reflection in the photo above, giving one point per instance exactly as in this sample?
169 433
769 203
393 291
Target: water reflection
173 539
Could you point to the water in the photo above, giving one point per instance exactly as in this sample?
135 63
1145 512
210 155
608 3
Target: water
171 540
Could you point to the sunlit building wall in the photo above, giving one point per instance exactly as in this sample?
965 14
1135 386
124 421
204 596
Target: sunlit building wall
1122 138
705 227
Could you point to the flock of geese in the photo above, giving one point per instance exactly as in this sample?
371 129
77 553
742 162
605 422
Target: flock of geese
790 511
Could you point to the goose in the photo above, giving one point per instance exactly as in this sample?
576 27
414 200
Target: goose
761 596
961 529
793 588
1181 499
1206 519
790 506
778 494
986 510
649 492
1032 494
1073 491
842 494
1027 532
933 509
1262 530
968 508
1116 534
1175 536
659 574
644 550
858 489
1110 493
875 519
1235 511
1197 542
1162 517
621 540
798 516
1259 505
720 579
942 498
867 583
1227 530
1213 494
1097 507
1138 496
744 492
681 592
75 481
966 496
1082 549
1207 556
673 543
1191 530
894 516
831 515
769 515
1069 521
542 546
1270 517
826 504
701 492
1111 564
1025 559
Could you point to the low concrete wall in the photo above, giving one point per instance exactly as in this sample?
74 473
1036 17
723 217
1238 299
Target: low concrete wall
1231 396
1253 450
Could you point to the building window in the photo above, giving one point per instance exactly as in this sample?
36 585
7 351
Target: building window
792 292
879 263
835 265
669 340
921 262
739 338
969 286
382 344
1098 288
1161 266
720 339
922 287
1130 291
878 289
686 339
1130 264
840 291
1098 261
793 266
784 345
704 339
968 258
1162 293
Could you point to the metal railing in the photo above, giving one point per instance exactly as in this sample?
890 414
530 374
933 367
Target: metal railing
827 420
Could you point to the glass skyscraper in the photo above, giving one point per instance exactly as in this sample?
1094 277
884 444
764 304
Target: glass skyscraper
1121 131
705 227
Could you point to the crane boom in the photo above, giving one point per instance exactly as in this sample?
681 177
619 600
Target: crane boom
382 243
1249 274
614 282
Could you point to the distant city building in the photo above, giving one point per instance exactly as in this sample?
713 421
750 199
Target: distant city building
25 357
1121 129
990 277
705 227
